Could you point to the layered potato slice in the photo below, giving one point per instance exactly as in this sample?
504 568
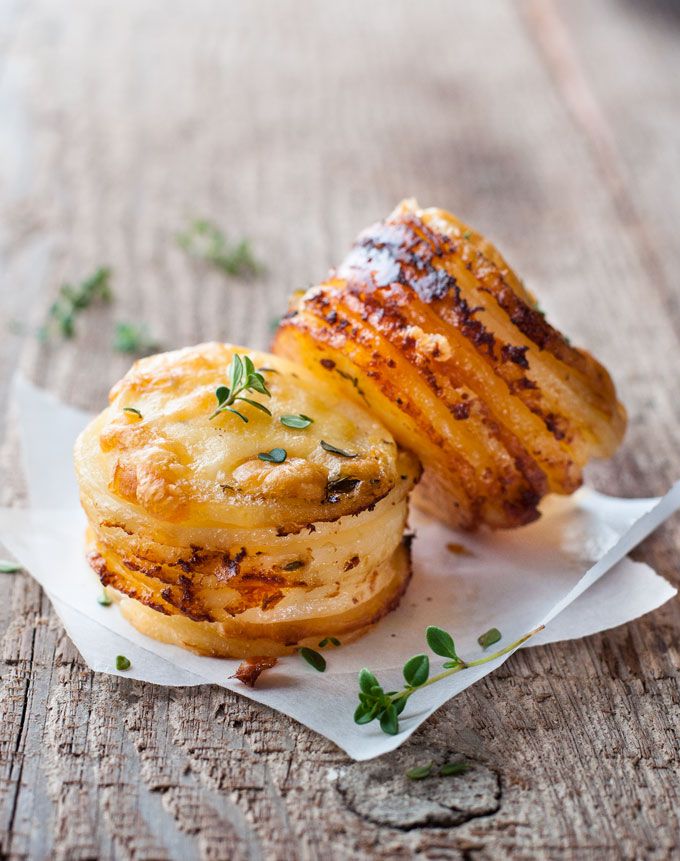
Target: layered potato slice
212 547
427 325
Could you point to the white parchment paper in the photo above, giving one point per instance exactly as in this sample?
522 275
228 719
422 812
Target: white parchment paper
569 571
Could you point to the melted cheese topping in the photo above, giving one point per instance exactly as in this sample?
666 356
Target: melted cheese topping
177 464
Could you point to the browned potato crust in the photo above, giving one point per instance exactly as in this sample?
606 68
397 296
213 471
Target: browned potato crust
426 323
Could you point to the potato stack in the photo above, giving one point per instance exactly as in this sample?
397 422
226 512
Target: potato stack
426 325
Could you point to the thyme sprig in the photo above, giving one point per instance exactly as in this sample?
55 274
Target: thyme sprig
133 338
242 378
376 704
205 241
73 299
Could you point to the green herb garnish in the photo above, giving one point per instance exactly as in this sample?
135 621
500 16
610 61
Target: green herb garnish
298 421
295 565
326 446
345 484
467 234
313 658
72 300
326 640
353 380
133 338
242 378
7 567
205 241
105 601
416 670
122 663
453 768
276 455
133 411
375 703
419 771
488 638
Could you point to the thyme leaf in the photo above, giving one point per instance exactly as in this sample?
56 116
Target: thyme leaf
419 771
326 446
7 567
204 241
276 455
298 421
488 638
313 658
133 338
452 768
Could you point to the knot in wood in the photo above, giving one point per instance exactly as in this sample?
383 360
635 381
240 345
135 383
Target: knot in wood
380 791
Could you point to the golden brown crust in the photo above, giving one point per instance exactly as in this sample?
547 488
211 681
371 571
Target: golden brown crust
427 324
238 637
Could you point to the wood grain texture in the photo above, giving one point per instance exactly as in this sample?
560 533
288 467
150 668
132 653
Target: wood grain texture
553 128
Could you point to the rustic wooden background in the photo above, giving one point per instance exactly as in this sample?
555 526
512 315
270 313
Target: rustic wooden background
555 128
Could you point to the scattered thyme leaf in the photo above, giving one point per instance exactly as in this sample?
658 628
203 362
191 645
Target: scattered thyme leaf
295 565
326 446
298 421
122 663
326 640
313 658
467 234
344 484
419 771
203 240
488 638
104 599
450 769
7 567
276 455
72 300
133 338
133 411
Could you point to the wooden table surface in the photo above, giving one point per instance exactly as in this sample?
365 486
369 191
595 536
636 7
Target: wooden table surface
554 128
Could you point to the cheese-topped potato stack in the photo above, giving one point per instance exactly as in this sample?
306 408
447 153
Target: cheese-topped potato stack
238 505
427 325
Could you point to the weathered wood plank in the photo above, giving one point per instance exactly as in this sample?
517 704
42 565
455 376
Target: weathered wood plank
296 124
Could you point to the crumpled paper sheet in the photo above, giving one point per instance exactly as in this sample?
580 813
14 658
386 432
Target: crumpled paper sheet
568 571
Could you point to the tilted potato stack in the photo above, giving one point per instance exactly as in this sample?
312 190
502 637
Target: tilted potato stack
426 324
